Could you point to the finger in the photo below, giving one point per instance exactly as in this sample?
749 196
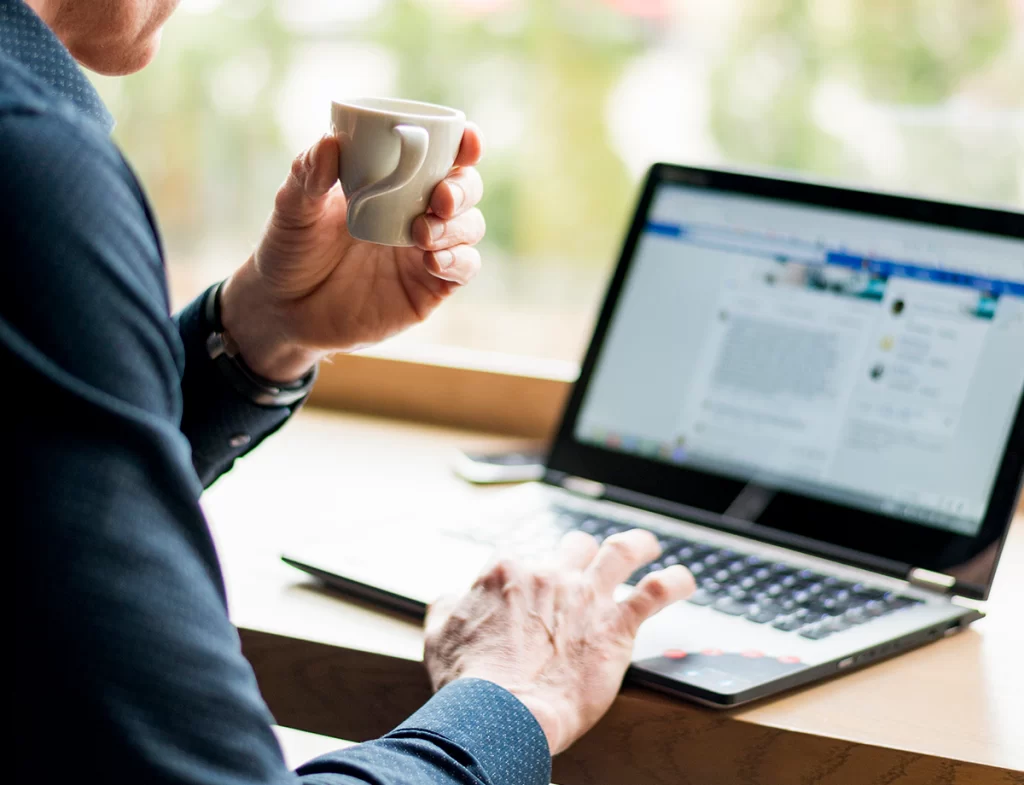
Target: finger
438 613
655 592
458 265
500 573
312 176
576 551
325 166
471 150
432 233
457 193
620 556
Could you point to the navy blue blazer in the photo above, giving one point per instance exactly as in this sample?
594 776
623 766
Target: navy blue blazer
127 666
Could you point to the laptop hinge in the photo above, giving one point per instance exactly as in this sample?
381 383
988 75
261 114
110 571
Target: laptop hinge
935 581
582 487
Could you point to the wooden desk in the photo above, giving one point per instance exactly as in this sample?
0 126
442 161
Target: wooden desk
951 712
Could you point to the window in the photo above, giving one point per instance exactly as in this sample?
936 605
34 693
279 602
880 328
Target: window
576 98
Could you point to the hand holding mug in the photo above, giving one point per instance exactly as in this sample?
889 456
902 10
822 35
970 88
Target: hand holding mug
312 288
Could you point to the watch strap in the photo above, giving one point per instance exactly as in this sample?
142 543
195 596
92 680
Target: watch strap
223 352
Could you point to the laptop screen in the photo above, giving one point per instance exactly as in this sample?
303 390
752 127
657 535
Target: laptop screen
873 362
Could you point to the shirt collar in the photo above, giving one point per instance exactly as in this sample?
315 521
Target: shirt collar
25 38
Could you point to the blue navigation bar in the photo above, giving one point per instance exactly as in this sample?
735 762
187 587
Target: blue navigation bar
889 269
669 230
881 267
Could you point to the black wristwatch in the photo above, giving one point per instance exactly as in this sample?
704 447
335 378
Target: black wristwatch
224 353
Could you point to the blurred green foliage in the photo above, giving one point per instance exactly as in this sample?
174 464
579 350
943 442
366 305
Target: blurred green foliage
206 126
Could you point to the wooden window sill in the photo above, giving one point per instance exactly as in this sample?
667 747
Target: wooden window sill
517 396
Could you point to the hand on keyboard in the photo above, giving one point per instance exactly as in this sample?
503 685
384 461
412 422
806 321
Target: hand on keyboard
554 635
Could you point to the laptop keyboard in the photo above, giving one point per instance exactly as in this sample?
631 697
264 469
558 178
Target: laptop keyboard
812 604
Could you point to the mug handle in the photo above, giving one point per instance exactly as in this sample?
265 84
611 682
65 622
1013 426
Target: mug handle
410 159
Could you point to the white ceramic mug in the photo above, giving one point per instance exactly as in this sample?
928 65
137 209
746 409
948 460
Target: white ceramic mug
393 155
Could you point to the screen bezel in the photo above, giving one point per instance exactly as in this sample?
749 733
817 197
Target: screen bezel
855 533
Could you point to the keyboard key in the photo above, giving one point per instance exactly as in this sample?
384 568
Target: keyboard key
837 583
827 606
856 616
867 592
702 597
762 574
816 633
669 560
835 624
565 521
788 624
615 528
710 585
762 614
731 606
722 576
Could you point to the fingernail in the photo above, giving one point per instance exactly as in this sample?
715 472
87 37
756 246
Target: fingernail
458 195
436 228
445 259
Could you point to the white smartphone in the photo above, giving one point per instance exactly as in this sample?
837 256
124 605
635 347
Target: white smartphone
495 467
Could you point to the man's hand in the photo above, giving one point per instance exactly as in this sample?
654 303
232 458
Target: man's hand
555 638
310 288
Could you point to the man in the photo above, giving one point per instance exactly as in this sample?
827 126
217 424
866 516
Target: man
127 667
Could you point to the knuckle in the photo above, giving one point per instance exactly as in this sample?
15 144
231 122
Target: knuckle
657 589
282 198
421 232
503 570
543 579
621 546
299 167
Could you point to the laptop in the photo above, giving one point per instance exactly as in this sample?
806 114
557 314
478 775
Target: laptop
811 395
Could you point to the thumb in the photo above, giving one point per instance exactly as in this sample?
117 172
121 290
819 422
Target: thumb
313 174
